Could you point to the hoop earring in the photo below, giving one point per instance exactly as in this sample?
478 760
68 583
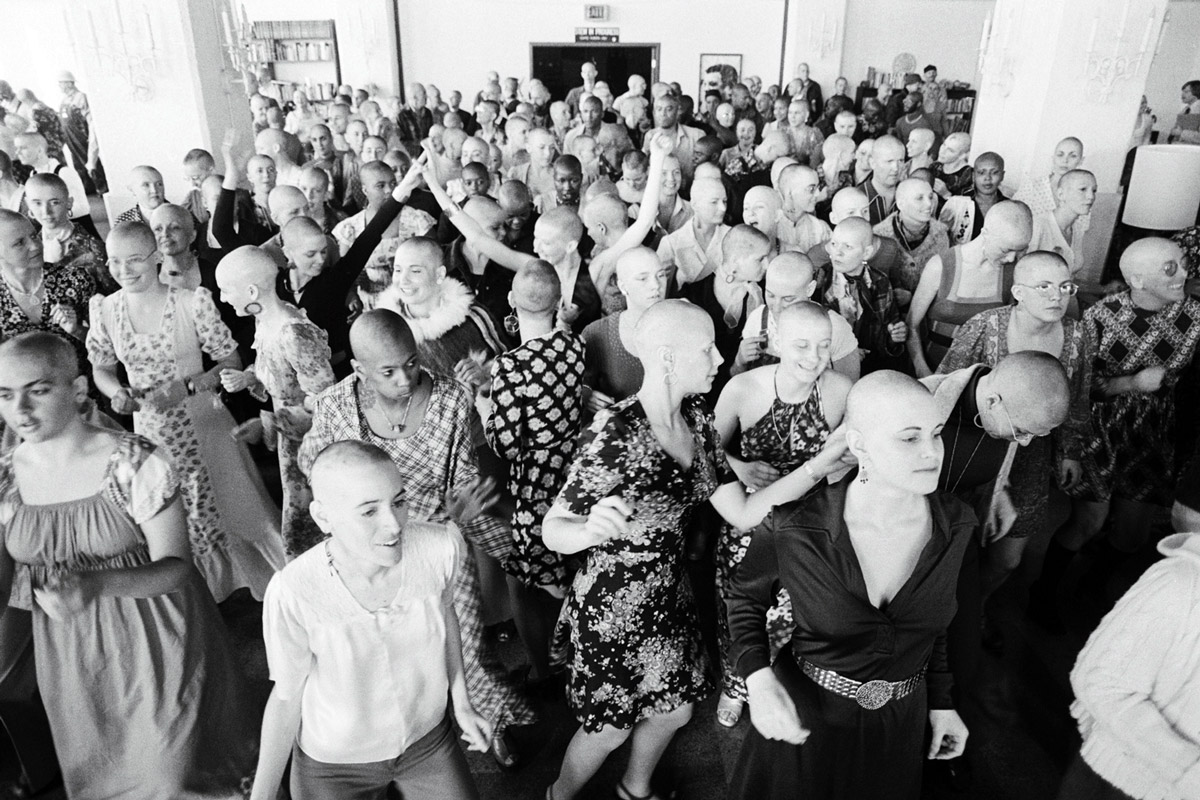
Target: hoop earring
512 323
979 420
253 308
669 378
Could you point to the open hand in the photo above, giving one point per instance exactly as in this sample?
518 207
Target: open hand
467 501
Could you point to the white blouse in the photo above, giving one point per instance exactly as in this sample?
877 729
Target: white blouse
370 683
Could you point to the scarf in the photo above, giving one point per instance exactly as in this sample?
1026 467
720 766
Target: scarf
846 291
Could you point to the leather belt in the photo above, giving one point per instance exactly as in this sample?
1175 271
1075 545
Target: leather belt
870 695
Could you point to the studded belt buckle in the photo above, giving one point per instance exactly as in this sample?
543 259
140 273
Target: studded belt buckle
874 694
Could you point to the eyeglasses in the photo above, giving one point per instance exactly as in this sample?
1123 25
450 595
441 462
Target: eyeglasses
117 263
1024 437
1047 289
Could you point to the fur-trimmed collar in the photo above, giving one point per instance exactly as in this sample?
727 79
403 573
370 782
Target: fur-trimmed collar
451 312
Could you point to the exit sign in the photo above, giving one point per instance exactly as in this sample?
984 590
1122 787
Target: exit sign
597 34
595 13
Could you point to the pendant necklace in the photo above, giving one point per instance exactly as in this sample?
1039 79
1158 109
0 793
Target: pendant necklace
398 427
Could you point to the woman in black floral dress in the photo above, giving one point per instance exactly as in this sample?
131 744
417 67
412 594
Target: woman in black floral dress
531 419
628 630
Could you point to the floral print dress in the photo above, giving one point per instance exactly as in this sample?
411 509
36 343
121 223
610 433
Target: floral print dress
628 631
229 516
538 392
788 435
293 367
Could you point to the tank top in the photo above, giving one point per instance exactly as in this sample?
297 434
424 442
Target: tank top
789 434
947 312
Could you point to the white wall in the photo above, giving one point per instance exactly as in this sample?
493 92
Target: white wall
941 32
454 44
1177 62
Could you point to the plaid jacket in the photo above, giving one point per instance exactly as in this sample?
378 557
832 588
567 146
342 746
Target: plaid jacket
438 458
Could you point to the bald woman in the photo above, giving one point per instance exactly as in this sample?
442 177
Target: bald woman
972 278
291 367
874 555
649 464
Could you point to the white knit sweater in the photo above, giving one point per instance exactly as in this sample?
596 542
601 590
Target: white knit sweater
1137 682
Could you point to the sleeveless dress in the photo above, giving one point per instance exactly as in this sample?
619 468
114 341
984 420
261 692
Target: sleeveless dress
788 435
144 698
948 312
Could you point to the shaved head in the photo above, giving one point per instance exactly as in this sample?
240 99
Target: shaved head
1146 255
485 211
1033 388
666 324
536 289
790 267
248 266
805 316
174 213
340 462
1029 263
858 228
848 202
54 352
874 399
1013 216
606 210
636 258
381 335
138 232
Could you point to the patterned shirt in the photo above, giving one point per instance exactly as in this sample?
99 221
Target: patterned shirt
437 458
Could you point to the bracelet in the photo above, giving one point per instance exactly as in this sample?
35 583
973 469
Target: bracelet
811 473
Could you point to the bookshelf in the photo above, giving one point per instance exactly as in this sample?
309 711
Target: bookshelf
297 53
960 109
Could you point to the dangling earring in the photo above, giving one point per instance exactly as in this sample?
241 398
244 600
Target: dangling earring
253 309
862 473
512 323
669 377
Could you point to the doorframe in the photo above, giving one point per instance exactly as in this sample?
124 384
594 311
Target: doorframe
655 48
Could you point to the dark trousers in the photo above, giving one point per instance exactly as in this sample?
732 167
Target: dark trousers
432 768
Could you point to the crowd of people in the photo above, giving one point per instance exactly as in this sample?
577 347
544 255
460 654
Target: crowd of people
505 358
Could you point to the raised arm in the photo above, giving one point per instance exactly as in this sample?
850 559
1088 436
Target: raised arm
223 227
347 269
922 299
494 249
